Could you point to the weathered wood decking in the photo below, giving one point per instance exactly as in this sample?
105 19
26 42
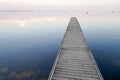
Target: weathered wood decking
74 61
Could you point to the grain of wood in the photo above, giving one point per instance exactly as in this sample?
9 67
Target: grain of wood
74 61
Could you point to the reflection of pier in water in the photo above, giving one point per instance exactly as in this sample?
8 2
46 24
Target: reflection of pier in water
74 61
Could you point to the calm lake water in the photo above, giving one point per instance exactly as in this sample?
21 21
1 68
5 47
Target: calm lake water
30 41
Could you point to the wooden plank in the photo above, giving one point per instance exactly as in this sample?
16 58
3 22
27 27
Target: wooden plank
74 61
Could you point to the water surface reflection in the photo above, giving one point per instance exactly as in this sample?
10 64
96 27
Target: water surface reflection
28 46
29 42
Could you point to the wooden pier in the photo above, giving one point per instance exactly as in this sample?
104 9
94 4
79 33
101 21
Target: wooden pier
74 60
